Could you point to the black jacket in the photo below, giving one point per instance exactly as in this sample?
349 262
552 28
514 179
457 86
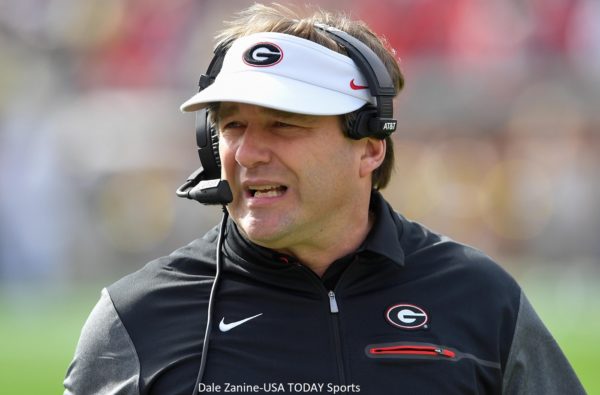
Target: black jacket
410 312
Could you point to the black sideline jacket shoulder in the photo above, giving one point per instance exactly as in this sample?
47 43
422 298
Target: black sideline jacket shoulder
410 312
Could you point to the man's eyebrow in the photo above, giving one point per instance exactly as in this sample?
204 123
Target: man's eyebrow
222 111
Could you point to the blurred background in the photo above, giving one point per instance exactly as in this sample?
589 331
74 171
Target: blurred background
497 147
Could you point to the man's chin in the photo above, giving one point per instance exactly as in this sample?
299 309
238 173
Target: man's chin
264 237
264 228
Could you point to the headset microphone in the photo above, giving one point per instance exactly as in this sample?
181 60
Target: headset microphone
205 184
209 192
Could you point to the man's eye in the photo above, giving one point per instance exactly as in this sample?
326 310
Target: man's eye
232 125
279 124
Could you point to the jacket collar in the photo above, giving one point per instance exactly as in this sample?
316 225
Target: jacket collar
384 237
382 240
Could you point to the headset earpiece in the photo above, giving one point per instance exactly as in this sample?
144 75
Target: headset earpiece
360 126
207 139
367 123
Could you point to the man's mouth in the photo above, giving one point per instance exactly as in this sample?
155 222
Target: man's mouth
266 191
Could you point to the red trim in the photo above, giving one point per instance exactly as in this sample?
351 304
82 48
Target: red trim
432 351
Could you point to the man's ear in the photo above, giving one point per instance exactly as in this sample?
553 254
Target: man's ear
372 156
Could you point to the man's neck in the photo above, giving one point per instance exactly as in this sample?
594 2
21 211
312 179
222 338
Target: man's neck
320 255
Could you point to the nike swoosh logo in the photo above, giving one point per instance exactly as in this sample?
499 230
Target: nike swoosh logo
227 327
357 87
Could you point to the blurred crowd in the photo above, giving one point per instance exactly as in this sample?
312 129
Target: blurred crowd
497 145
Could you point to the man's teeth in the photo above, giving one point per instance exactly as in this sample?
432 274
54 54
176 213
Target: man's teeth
267 190
270 193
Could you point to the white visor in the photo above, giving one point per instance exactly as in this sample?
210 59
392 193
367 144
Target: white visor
287 73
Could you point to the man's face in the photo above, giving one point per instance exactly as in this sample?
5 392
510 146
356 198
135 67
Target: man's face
293 176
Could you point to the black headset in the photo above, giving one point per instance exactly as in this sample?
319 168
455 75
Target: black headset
205 184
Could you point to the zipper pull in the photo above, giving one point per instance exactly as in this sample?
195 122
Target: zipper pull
333 307
445 353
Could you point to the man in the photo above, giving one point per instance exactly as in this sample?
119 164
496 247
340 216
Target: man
322 287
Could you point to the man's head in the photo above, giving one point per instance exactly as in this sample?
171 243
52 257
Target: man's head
282 104
279 19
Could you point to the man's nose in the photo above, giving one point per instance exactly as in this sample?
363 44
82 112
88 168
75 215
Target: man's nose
253 149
